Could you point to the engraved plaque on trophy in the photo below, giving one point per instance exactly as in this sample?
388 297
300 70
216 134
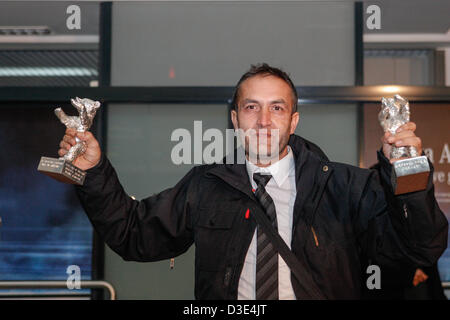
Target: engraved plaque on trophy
62 168
410 174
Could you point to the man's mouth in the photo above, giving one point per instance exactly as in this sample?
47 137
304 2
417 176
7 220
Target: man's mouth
263 135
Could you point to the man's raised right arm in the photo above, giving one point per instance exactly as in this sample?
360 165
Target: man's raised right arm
155 228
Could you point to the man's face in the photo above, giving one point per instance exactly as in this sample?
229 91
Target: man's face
265 105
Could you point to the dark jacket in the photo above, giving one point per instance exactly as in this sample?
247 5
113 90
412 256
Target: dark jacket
344 219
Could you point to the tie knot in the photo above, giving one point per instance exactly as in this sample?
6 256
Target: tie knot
261 179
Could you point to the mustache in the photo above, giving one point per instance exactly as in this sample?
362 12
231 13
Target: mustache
264 131
265 134
260 135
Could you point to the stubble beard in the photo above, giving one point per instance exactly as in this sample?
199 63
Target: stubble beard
263 150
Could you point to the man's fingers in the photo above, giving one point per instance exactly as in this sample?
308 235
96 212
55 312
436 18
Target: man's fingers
71 132
407 126
69 139
61 144
385 137
85 136
62 152
401 135
404 137
64 145
409 141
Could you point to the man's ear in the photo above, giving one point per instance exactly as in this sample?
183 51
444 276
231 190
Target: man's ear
234 119
294 121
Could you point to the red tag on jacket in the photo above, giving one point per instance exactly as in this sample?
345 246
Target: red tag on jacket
247 214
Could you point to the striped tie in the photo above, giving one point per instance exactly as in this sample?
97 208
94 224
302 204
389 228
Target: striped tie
267 256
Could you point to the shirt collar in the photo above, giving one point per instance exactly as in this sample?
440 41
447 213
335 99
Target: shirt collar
279 170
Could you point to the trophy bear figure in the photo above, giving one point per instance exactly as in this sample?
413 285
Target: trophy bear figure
394 113
86 109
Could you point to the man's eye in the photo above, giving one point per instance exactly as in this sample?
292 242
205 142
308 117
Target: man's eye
277 108
251 107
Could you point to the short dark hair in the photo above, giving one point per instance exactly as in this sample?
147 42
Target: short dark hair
264 69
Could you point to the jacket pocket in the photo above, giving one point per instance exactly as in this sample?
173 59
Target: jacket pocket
333 261
213 235
211 218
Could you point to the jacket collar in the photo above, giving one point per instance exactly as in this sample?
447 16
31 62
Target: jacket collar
312 171
309 160
279 170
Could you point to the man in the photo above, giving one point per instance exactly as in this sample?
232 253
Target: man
335 218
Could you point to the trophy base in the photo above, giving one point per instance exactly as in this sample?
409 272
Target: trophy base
410 175
61 170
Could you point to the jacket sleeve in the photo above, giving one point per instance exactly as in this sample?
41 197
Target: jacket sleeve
155 228
399 230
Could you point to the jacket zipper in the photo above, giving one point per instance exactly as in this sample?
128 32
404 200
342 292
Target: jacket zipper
405 210
315 236
227 277
316 199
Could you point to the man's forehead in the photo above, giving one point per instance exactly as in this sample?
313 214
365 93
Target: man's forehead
267 87
255 100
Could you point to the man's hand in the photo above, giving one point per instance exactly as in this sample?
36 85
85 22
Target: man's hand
419 277
404 137
86 160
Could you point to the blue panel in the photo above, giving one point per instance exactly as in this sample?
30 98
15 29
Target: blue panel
44 228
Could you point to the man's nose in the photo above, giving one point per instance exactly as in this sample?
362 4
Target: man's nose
264 119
